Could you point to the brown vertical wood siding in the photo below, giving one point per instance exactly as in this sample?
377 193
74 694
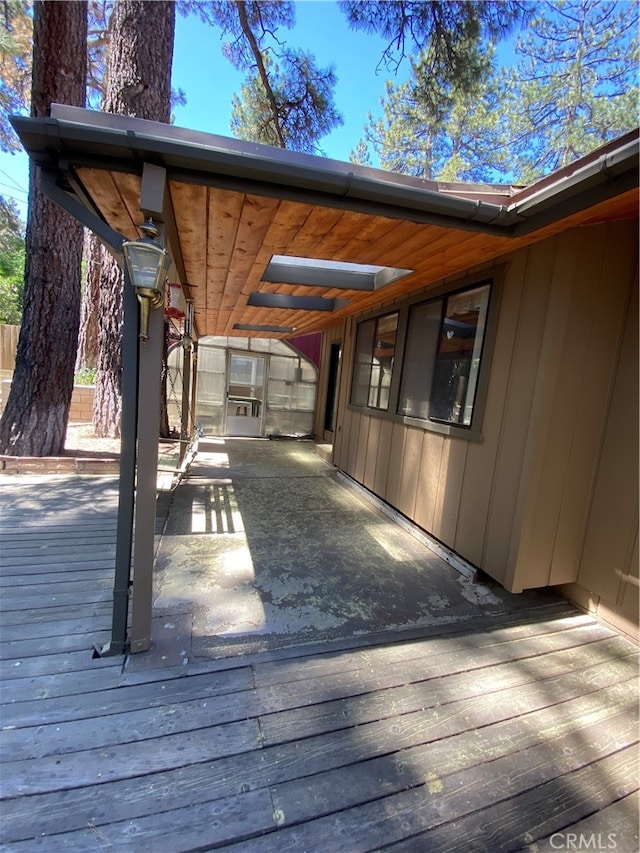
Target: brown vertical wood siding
608 569
519 502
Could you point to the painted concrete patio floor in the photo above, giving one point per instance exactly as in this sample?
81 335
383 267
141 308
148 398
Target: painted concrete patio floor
265 547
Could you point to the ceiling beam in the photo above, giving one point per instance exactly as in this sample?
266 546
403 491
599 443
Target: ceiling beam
300 303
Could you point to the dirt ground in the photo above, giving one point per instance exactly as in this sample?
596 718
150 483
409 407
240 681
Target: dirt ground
82 441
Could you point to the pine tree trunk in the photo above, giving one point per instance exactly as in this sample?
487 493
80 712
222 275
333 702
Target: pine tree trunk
138 83
88 338
107 403
35 419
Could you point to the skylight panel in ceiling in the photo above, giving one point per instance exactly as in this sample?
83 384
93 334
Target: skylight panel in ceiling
287 269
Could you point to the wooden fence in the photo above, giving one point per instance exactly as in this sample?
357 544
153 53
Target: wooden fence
8 346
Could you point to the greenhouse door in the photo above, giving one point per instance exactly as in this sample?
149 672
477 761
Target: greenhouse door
245 394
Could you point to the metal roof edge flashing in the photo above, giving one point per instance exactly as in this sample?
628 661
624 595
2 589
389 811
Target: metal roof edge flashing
611 174
393 192
264 163
606 168
195 155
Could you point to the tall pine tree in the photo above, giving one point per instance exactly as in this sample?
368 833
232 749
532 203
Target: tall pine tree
575 86
286 100
303 110
456 142
138 83
35 418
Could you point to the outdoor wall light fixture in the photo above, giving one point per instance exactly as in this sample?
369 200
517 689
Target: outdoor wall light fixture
148 264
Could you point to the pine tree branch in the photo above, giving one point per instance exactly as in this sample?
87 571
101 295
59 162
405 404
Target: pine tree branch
262 71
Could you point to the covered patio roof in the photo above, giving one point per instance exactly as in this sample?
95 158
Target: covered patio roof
231 206
233 215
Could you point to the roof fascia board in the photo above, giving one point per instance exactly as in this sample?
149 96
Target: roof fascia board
197 157
344 187
202 139
365 182
611 174
306 195
570 202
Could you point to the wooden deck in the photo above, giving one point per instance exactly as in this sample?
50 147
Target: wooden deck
494 735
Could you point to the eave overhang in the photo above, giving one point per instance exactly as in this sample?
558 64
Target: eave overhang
236 204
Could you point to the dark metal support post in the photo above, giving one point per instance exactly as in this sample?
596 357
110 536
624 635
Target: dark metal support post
127 484
139 436
185 421
150 361
153 200
187 424
128 428
194 383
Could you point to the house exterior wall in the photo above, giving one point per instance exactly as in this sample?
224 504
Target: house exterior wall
607 581
515 500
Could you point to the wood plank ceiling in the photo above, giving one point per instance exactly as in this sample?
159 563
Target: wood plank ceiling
226 239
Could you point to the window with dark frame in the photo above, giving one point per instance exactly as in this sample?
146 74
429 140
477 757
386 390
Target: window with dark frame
374 358
440 364
442 359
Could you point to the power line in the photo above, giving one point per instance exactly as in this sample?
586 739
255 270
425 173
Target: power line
13 190
16 185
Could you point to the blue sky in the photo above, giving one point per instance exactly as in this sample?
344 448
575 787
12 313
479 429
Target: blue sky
209 81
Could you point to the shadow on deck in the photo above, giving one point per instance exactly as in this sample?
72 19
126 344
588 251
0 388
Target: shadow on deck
496 725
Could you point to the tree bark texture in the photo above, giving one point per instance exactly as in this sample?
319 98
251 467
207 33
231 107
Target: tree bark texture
35 419
107 401
138 83
88 338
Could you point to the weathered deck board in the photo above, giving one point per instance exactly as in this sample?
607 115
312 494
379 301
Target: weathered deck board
49 617
340 685
227 777
193 827
488 735
127 760
473 694
543 809
50 664
80 589
174 711
456 643
117 700
433 770
482 825
68 641
49 629
59 560
605 827
438 799
33 572
15 690
42 543
32 580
